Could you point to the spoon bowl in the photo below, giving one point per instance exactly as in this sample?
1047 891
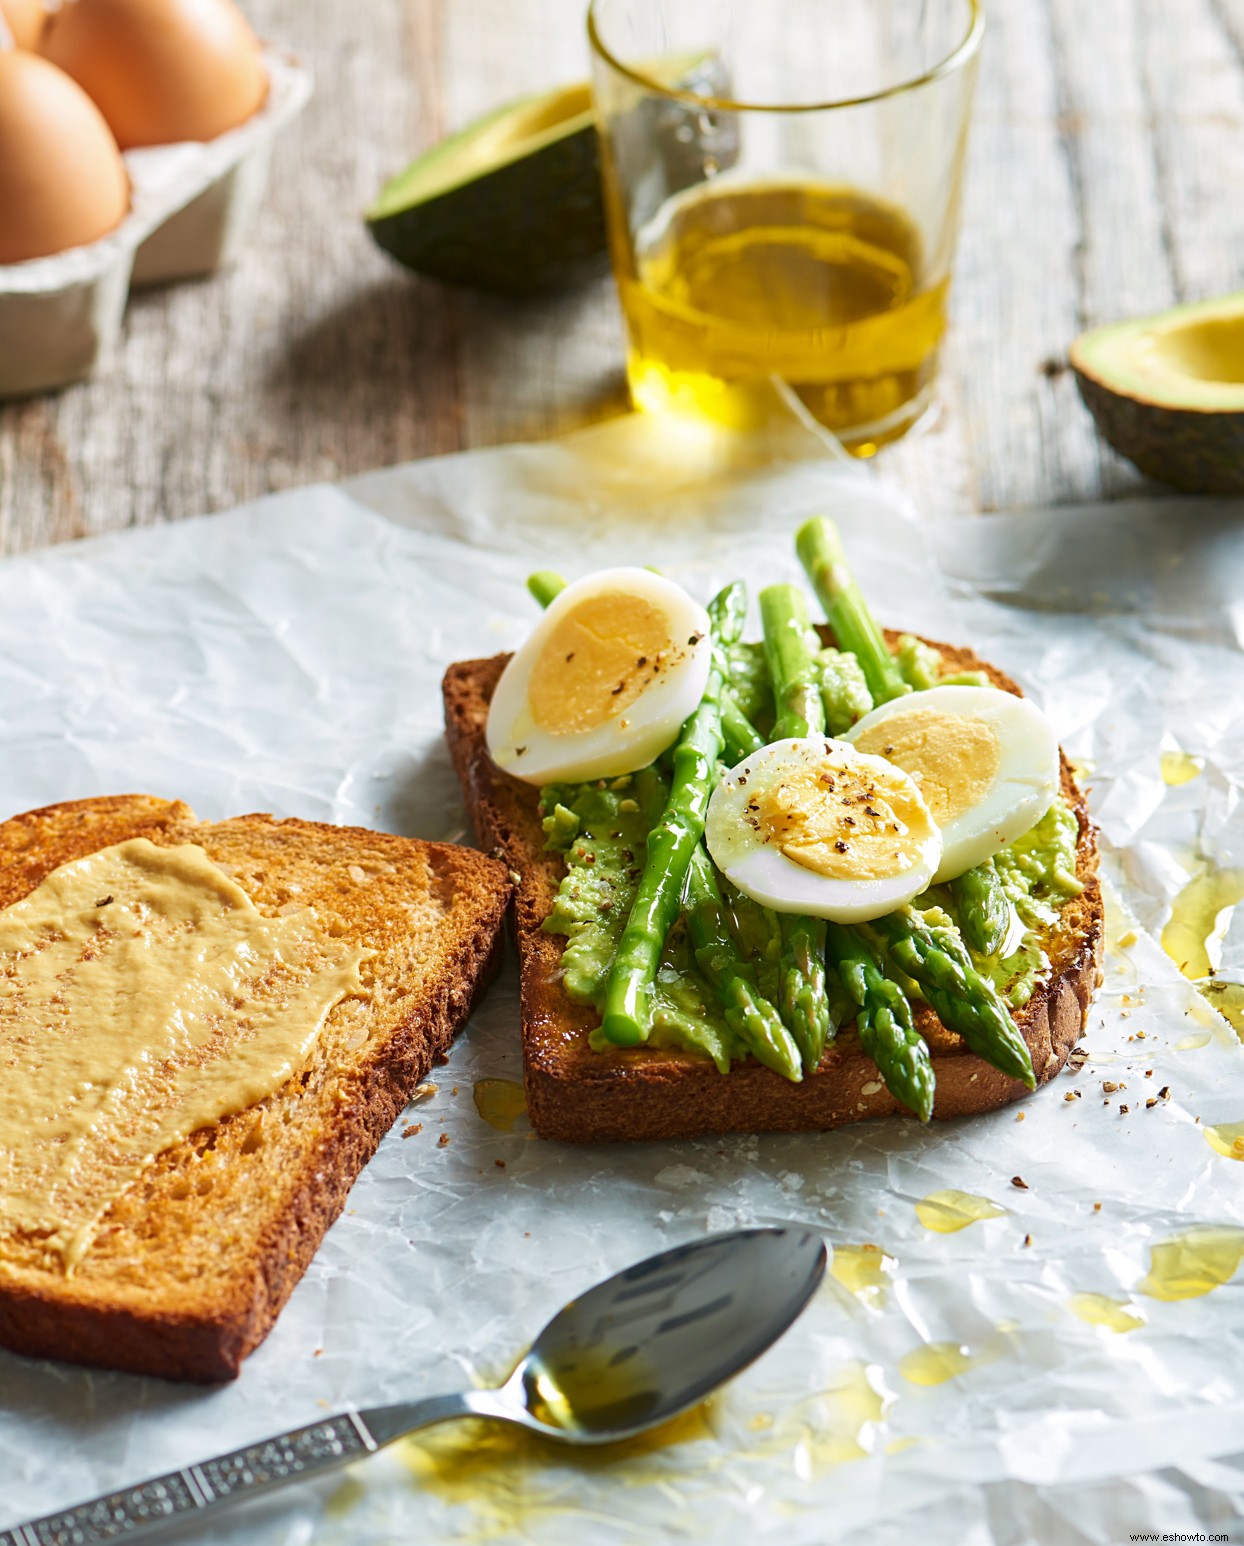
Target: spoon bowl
654 1340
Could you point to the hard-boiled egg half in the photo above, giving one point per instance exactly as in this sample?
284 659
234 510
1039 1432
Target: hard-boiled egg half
986 762
605 681
815 826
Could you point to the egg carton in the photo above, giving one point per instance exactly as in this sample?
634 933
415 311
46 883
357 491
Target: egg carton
191 208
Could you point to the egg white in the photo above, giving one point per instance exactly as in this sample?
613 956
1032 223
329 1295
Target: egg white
1022 787
628 739
763 872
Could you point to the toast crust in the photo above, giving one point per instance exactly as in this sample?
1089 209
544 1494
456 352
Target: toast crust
576 1095
123 1308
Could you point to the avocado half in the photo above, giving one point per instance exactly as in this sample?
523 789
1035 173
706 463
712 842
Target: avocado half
511 203
1167 392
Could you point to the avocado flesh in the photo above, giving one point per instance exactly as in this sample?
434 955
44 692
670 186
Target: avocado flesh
1167 392
511 203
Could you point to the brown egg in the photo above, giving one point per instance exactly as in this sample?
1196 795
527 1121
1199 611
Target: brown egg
161 70
62 180
26 19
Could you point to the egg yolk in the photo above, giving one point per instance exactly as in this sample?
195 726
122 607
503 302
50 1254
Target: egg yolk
598 660
955 758
843 823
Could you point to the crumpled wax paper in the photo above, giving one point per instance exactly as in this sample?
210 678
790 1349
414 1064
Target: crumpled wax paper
942 1386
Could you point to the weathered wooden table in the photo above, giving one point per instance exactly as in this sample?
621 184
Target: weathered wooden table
1107 179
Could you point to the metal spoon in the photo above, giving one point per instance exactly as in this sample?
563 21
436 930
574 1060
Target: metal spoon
631 1353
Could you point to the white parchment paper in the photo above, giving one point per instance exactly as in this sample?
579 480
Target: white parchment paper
287 657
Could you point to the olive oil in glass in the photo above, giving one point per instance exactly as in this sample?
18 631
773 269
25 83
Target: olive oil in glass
737 284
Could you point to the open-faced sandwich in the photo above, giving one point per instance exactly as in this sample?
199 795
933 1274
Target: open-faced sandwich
833 875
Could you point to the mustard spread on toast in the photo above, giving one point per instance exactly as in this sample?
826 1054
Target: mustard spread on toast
143 996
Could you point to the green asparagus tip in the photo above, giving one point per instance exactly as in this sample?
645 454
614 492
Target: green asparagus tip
544 585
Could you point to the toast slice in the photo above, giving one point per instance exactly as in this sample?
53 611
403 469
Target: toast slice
191 1266
577 1095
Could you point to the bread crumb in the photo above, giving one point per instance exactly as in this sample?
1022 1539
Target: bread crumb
443 1141
1152 1101
1097 1207
411 1129
423 1092
454 1091
500 1164
1027 1239
873 1087
1072 1095
1019 1182
1019 1116
1123 1109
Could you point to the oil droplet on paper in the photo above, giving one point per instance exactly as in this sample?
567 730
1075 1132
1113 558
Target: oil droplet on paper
863 1270
1100 1310
1193 1263
949 1211
832 1428
937 1362
1180 767
1192 1043
344 1498
500 1102
1228 999
511 1479
1199 918
1227 1138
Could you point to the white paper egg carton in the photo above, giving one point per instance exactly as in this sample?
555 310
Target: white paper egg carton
191 207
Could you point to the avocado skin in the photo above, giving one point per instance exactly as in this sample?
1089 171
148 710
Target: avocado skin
1196 450
530 227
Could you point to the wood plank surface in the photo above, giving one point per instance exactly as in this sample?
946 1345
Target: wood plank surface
1107 178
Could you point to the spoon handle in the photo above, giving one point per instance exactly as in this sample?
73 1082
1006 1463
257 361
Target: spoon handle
199 1490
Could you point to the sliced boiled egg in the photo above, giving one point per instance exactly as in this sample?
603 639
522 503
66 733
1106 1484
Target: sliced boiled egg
605 681
815 826
986 762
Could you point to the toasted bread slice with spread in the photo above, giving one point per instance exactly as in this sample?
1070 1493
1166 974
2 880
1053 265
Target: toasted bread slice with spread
190 1266
578 1095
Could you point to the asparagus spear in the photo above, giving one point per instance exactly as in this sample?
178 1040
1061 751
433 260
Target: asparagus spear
750 1016
671 843
983 908
937 960
544 585
820 551
883 1020
792 650
740 735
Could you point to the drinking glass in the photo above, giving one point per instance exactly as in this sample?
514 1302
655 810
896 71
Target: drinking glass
782 183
